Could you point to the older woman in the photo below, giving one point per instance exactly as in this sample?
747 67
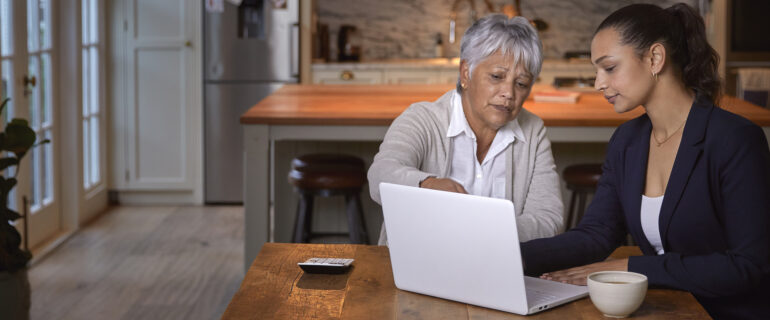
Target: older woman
477 139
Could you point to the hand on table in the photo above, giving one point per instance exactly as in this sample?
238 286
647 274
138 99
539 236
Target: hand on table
577 275
443 184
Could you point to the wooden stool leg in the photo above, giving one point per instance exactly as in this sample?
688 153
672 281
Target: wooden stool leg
571 214
303 223
361 220
356 226
581 206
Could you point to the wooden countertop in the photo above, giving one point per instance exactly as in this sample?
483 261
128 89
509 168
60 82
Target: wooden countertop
378 105
447 64
275 288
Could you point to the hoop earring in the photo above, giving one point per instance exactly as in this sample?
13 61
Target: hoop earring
655 75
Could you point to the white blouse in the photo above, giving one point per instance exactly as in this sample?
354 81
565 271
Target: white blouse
650 225
488 177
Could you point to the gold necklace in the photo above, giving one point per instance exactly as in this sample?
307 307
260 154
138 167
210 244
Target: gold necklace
669 137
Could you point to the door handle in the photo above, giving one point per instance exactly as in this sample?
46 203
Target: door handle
30 81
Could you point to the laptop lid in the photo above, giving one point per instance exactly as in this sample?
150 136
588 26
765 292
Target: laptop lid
454 246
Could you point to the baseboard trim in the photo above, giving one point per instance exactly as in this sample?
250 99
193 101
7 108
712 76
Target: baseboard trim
45 249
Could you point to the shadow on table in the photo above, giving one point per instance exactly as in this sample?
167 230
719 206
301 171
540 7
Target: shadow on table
314 281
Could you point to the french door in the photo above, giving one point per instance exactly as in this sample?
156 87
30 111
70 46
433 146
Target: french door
27 67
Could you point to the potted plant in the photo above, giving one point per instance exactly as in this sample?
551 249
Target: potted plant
15 140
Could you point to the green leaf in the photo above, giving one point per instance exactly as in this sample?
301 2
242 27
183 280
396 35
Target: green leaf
40 143
19 137
5 102
7 162
6 185
10 215
19 122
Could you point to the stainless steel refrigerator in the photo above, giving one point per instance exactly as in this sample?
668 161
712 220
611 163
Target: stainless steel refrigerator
251 50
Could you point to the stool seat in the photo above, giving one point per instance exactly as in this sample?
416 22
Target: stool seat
326 175
583 175
327 171
582 179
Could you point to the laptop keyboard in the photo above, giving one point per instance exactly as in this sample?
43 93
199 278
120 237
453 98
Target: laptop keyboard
536 297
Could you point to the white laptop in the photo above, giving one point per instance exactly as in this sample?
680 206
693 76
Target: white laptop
464 248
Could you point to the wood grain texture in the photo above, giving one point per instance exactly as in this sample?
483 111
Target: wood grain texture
144 263
275 288
380 104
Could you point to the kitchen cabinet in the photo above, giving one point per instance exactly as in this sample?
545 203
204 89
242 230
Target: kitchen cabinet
411 76
565 68
417 76
347 76
425 71
430 71
448 76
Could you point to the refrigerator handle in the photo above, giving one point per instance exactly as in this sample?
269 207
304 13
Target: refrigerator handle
295 50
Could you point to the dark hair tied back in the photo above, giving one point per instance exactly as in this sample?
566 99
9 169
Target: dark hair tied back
681 30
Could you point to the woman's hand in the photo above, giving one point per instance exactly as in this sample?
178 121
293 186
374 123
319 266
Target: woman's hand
578 275
443 184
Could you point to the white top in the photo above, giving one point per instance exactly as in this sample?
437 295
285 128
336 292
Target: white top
650 217
488 177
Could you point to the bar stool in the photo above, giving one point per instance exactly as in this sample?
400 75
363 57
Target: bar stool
581 180
327 175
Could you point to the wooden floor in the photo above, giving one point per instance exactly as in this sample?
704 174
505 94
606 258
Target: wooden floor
144 263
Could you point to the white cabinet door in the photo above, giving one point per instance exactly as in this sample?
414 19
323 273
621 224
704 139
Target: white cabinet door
346 76
551 71
448 76
411 76
158 96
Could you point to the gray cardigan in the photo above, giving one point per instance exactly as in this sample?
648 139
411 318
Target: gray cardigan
416 146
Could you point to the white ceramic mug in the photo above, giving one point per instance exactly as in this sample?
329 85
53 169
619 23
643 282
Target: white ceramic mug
617 294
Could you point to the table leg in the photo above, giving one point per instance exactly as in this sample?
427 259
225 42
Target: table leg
256 198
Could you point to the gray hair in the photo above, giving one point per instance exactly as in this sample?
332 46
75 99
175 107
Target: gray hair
511 36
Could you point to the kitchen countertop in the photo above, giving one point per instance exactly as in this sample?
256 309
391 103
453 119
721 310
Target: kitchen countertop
440 64
380 104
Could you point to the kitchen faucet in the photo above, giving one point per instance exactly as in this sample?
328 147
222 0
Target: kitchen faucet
453 15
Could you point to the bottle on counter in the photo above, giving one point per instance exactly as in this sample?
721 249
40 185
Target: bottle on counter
439 50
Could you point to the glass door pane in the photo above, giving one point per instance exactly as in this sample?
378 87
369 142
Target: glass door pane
7 85
34 106
40 100
91 110
6 54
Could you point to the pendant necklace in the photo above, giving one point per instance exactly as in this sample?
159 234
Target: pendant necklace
667 138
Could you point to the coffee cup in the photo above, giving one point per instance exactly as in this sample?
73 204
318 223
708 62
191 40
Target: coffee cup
617 294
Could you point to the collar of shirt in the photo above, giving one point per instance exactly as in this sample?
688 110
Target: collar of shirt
459 124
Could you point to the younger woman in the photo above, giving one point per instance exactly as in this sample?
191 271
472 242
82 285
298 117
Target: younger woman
688 180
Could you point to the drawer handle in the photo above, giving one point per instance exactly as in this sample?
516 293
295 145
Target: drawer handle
346 75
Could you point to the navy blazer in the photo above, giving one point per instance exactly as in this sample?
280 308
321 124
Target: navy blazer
714 221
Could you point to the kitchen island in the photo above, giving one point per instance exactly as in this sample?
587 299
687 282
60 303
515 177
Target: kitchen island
364 112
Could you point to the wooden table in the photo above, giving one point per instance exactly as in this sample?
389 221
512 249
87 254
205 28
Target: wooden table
275 288
364 112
